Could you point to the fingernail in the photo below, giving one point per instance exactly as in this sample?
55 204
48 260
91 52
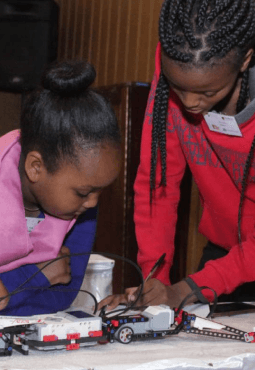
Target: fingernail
131 298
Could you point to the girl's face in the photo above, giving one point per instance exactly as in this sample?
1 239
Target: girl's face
200 89
73 189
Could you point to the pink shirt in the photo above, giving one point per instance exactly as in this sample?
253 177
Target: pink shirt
18 247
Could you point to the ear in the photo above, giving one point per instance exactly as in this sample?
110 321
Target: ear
247 60
34 166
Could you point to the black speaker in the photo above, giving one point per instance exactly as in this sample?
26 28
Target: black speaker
28 41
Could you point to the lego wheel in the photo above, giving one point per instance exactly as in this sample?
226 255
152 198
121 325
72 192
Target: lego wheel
125 335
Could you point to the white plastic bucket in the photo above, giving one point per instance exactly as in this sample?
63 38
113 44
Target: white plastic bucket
97 280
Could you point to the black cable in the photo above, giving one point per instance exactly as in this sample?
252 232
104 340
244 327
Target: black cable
52 288
193 293
131 306
112 255
119 311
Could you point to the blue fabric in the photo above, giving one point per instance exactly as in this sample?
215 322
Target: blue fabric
37 301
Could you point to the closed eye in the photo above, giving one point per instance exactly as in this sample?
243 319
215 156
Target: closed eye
210 94
82 195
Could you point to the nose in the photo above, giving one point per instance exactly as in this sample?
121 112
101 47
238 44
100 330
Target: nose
91 200
190 100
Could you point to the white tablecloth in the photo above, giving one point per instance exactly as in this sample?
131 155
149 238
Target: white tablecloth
183 351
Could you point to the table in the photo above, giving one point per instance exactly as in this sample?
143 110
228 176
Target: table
173 352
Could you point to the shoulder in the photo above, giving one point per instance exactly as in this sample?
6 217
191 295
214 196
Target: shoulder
8 140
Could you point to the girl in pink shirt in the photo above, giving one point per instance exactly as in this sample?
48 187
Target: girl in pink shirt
66 153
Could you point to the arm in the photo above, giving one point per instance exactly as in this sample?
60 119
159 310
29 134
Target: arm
30 302
155 225
225 274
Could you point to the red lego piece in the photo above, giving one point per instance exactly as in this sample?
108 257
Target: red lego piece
115 323
71 347
96 333
178 319
50 338
250 337
73 336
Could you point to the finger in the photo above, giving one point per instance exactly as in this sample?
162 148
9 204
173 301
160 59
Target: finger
4 299
131 294
146 297
3 303
131 290
105 302
65 250
65 258
112 301
117 300
152 296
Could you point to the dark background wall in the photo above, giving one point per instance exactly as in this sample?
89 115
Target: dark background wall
119 37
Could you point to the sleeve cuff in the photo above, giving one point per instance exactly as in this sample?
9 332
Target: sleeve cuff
14 278
196 290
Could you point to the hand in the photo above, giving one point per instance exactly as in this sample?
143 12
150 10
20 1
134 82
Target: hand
58 272
112 301
154 293
3 293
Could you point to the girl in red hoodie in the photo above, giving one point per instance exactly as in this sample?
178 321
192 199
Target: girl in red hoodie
200 113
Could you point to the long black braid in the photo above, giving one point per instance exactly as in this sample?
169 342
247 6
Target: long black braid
227 24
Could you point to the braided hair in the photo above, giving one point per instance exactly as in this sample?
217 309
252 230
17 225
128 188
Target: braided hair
199 32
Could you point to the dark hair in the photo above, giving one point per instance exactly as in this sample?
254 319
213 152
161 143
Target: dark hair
64 115
199 32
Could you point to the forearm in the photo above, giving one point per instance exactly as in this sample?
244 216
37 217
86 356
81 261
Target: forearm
22 298
225 274
30 301
155 221
176 293
37 296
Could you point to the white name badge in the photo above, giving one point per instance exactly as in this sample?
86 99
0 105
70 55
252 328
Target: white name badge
223 124
32 222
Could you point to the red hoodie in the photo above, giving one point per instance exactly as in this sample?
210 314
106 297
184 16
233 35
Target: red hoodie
217 164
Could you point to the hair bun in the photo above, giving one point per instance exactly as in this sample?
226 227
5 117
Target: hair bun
69 77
